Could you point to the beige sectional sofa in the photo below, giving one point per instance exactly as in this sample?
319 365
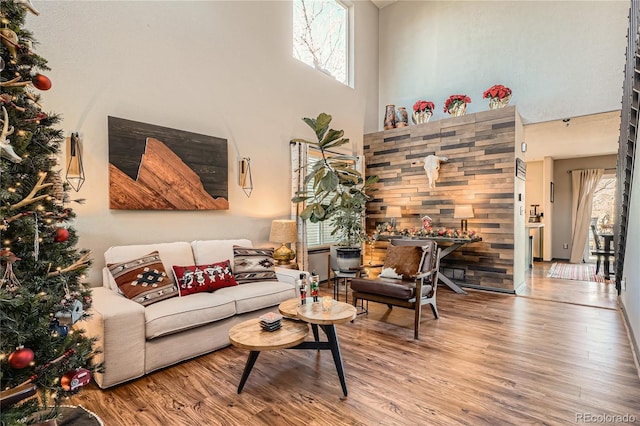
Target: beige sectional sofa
136 339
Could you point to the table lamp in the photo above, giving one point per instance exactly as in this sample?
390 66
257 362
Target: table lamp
283 231
392 213
464 212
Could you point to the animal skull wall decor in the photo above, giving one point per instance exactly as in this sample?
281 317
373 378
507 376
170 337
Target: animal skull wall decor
431 167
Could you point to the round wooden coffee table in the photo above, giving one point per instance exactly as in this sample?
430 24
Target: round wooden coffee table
289 308
249 335
339 313
314 314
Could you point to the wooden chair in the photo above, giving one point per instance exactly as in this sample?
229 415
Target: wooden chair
411 292
602 254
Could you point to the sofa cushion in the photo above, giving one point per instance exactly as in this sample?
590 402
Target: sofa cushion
403 260
253 264
182 313
257 295
199 278
211 251
144 279
176 253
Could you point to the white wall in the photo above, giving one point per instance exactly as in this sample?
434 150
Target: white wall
630 295
562 227
220 68
561 59
533 185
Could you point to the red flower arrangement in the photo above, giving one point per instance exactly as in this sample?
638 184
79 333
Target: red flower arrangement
421 106
497 91
455 100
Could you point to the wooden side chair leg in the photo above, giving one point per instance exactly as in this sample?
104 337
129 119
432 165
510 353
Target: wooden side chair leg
416 324
434 309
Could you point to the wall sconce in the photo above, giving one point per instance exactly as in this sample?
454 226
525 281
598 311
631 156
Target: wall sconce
75 169
392 213
244 176
283 231
464 212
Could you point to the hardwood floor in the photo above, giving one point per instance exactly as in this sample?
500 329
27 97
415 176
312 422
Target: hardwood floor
490 359
538 286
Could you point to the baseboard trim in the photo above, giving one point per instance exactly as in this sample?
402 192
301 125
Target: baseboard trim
481 287
635 350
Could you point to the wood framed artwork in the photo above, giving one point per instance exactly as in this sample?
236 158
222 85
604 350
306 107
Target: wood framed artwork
158 168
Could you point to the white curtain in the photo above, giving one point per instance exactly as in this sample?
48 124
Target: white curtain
583 186
299 158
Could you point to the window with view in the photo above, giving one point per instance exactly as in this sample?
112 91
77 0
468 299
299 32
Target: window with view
318 234
320 36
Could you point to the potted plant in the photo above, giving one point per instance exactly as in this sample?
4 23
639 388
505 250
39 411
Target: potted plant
498 95
337 190
422 111
456 105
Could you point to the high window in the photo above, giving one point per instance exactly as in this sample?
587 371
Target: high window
320 36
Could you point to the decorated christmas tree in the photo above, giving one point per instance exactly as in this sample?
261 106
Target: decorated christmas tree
44 354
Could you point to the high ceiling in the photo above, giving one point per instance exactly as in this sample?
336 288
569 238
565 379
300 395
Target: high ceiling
383 3
584 136
593 125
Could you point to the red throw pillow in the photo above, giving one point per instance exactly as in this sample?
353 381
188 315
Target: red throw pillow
198 278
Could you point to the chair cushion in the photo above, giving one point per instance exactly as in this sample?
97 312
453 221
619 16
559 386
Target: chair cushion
400 289
404 260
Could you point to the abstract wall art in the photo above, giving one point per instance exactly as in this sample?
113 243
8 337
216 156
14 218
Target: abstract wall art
158 168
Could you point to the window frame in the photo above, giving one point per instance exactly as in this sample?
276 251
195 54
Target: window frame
347 5
314 154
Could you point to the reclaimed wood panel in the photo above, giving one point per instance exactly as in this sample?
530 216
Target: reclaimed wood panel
481 151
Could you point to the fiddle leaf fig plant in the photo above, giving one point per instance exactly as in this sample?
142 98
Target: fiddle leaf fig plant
338 190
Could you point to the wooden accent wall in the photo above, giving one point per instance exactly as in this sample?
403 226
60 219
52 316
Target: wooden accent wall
481 150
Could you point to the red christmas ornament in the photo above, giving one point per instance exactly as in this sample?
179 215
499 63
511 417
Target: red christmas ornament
41 82
62 235
21 358
75 379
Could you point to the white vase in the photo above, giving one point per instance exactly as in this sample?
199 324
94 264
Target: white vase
495 103
458 110
420 117
348 258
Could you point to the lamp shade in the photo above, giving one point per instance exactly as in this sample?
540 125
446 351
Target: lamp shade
464 211
283 231
394 211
